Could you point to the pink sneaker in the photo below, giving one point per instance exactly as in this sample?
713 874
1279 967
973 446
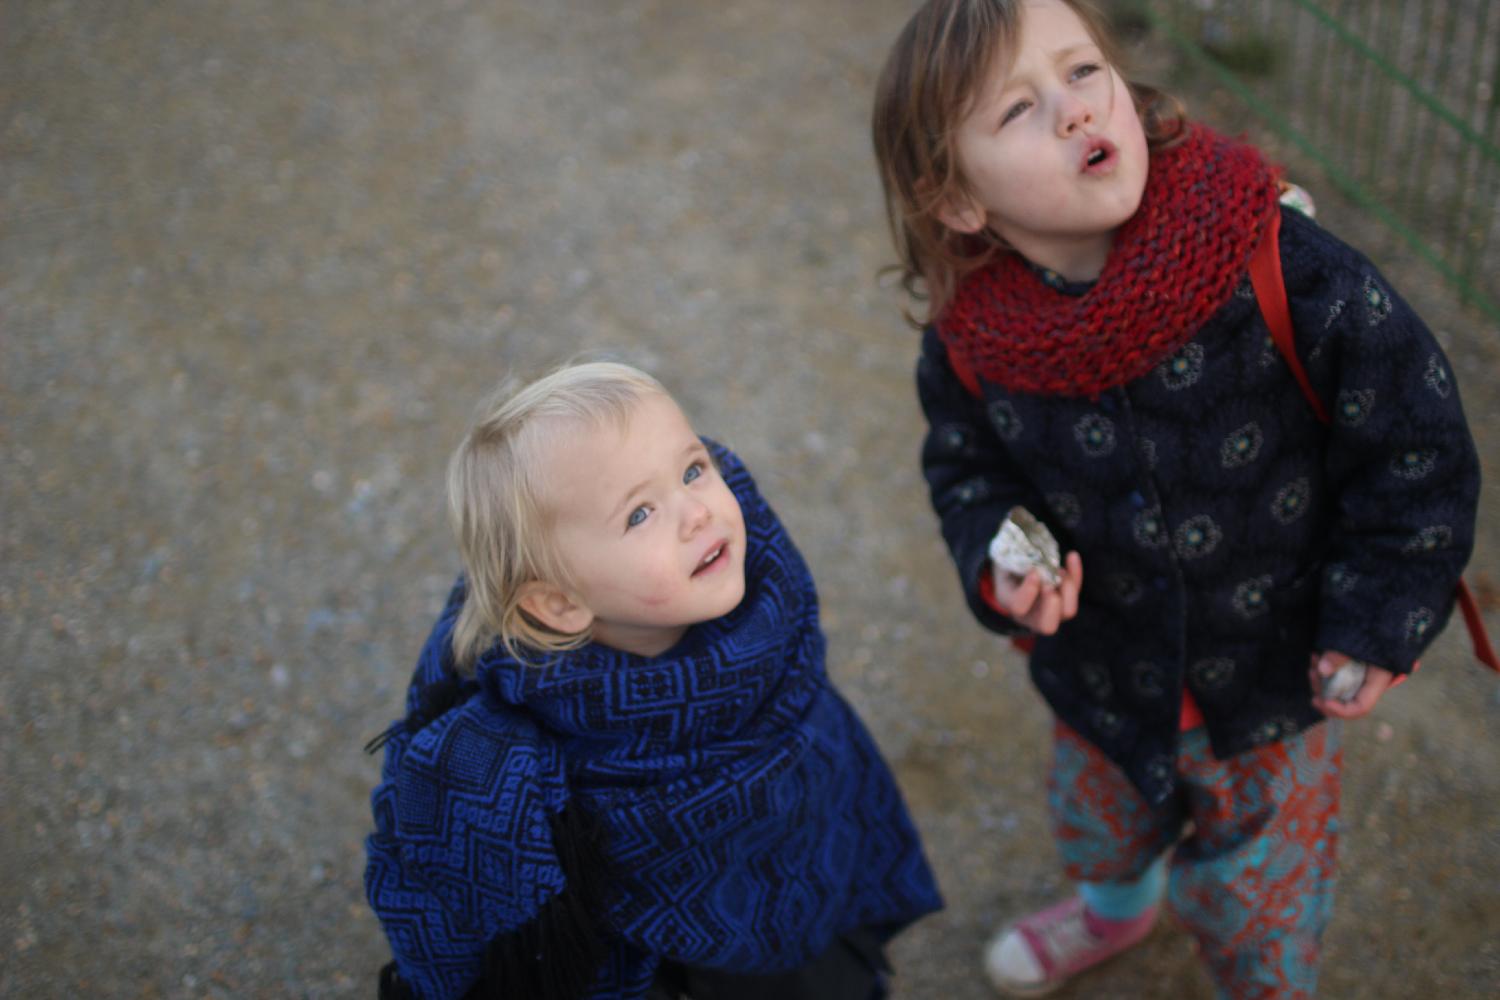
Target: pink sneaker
1036 954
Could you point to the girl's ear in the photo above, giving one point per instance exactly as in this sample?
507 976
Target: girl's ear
558 609
960 212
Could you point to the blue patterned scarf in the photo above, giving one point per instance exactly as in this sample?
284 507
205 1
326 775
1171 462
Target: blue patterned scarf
745 815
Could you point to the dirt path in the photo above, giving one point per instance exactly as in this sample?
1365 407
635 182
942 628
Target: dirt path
259 259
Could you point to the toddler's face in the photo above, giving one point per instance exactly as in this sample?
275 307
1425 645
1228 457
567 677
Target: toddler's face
653 536
1053 148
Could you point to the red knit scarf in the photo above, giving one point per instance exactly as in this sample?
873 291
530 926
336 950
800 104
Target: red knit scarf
1173 264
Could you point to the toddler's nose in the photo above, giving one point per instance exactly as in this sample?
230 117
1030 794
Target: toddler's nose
694 516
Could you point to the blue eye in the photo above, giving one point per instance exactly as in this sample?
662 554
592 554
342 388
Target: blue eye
1087 69
693 472
1014 111
636 517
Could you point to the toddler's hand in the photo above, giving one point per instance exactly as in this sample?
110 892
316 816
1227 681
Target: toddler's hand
1321 667
1034 604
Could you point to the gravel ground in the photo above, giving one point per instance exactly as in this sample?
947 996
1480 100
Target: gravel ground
259 260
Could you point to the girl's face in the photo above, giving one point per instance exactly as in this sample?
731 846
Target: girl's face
652 535
1052 149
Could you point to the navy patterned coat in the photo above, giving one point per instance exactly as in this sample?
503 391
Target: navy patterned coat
1225 533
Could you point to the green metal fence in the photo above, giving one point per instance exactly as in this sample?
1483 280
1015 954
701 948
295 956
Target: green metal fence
1398 102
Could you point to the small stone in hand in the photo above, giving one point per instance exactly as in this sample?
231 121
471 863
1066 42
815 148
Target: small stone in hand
1023 542
1345 683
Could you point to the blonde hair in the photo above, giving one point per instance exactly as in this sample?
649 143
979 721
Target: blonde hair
496 502
926 89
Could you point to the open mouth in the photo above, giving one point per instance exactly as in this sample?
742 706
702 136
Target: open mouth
713 558
1101 156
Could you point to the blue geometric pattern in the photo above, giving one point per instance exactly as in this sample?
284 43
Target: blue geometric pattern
748 815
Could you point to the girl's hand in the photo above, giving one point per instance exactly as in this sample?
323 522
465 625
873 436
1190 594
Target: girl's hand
1041 608
1377 681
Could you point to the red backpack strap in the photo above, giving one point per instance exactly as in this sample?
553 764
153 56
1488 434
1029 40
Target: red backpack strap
964 371
1270 293
1483 652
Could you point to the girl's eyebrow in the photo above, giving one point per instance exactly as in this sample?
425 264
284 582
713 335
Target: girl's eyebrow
1068 50
1057 55
625 501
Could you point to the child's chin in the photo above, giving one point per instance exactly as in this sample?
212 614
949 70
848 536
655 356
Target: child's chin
736 596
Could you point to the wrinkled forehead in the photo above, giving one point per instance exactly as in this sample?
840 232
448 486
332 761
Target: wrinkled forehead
1030 23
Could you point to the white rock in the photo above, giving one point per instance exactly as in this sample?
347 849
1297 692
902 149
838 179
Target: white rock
1023 542
1345 683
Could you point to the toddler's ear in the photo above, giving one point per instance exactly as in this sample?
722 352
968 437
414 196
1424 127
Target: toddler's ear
552 606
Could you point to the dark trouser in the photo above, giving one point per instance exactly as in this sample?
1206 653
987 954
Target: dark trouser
853 968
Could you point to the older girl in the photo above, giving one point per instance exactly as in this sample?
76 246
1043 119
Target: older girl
1092 352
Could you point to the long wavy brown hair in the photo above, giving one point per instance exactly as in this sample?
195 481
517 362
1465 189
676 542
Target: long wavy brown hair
928 86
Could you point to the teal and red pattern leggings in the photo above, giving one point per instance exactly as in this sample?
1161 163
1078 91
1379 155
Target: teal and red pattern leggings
1255 837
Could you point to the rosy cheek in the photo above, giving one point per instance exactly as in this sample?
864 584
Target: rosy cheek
646 592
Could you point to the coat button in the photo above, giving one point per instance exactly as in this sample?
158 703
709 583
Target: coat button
1137 500
1160 582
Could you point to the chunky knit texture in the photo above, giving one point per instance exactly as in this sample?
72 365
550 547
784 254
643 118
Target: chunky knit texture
747 817
1174 264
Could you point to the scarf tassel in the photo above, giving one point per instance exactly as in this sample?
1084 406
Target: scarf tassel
436 699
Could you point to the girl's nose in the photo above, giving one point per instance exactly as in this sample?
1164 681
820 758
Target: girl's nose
1072 115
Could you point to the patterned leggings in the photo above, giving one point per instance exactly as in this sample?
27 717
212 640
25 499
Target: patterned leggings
1255 835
